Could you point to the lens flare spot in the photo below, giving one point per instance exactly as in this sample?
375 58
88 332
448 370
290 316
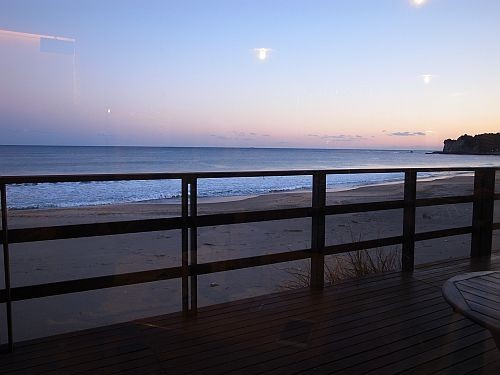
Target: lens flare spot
262 53
418 3
427 78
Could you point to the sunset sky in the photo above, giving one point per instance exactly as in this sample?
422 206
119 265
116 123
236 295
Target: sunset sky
241 73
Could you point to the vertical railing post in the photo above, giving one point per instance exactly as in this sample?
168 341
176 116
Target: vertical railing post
482 212
185 244
318 231
193 212
409 210
6 265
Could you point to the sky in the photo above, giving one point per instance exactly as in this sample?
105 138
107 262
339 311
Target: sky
387 74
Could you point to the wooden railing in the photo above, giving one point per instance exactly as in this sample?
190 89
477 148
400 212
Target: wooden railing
481 229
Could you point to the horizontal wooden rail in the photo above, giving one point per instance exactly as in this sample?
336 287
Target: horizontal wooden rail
32 179
422 236
423 202
252 216
254 261
362 207
92 283
59 232
363 245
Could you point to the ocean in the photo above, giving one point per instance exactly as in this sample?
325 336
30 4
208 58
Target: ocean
38 160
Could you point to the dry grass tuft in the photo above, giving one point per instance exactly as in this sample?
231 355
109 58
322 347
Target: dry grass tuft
348 266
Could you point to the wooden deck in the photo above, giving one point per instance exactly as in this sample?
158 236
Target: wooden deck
387 323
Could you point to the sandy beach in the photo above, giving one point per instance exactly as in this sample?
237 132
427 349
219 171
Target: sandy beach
50 261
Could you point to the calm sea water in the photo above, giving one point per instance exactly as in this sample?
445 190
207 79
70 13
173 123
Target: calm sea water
26 160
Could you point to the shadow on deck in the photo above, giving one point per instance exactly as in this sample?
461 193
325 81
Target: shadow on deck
387 323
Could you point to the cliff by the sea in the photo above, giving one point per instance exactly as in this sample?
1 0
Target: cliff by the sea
481 144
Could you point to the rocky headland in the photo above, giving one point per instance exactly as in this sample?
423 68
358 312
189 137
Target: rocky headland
481 144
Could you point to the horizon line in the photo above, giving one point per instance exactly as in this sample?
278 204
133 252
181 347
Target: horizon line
228 147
